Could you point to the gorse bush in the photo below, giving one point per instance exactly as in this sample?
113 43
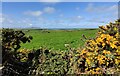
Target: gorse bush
11 40
101 55
52 62
22 55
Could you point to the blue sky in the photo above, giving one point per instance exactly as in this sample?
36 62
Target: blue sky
58 14
60 0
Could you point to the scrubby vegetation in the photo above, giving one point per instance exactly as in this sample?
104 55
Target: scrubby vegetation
99 55
10 44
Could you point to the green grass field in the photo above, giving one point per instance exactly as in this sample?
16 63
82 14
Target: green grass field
56 39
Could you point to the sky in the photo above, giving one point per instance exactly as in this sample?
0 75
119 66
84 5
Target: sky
59 0
58 14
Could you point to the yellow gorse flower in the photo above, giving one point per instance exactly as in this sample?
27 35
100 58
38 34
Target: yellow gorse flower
83 51
88 61
103 50
106 52
98 40
113 45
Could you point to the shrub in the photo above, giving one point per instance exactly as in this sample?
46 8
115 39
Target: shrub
101 55
11 40
50 62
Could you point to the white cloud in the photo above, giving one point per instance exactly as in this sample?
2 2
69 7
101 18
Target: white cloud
49 10
116 13
10 21
75 19
33 13
77 8
104 13
92 8
101 9
112 8
79 17
38 13
4 18
97 20
1 18
30 24
61 15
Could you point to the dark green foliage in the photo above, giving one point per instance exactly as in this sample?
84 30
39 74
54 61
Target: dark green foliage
49 62
11 40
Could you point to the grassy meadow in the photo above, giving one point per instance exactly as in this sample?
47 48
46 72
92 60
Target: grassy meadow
57 39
